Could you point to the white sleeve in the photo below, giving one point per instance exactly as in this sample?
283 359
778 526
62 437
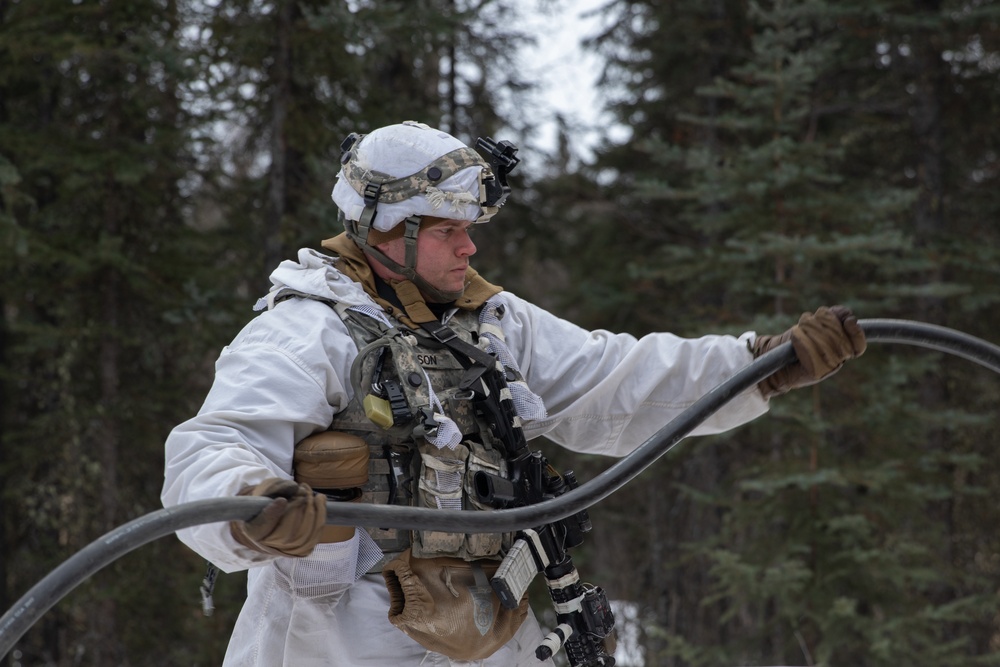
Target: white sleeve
607 393
279 381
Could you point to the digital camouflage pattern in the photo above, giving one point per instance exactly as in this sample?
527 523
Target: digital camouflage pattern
405 469
394 190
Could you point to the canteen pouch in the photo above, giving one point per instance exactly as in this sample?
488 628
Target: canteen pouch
335 464
448 606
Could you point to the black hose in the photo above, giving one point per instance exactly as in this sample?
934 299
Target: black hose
109 548
600 487
134 534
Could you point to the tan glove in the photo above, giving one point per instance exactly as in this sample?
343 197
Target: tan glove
289 526
823 341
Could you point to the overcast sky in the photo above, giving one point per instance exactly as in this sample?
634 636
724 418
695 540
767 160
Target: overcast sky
565 71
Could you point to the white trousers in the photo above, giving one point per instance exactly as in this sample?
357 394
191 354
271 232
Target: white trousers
299 614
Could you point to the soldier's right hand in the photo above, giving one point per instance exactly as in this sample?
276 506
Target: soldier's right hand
289 526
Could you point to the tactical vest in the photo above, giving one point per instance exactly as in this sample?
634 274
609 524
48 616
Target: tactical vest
418 376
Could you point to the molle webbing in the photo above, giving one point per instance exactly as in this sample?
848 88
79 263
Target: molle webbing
420 365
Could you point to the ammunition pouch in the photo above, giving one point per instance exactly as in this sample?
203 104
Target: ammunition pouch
446 482
447 605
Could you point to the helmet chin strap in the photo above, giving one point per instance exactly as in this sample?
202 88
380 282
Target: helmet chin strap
409 269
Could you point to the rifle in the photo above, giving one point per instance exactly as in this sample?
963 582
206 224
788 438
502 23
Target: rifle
585 620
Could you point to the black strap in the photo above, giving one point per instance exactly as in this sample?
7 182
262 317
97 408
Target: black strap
445 335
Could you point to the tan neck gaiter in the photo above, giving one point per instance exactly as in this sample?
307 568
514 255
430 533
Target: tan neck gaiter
354 264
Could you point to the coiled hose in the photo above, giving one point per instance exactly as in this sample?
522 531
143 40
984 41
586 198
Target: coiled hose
118 542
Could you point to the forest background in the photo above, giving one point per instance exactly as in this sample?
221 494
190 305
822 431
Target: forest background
159 157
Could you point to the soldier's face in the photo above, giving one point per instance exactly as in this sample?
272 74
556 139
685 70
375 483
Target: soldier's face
443 252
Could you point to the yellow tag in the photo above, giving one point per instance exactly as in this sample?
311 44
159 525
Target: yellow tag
378 410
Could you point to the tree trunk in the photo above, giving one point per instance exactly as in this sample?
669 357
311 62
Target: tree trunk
5 599
109 649
277 175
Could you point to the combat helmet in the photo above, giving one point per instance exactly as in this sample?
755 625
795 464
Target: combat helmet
392 177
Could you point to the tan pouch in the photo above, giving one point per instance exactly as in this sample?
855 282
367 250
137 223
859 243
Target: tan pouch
447 482
336 464
447 605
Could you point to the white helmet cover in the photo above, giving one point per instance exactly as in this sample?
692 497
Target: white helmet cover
399 158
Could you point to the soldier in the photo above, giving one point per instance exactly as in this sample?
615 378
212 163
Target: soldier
357 383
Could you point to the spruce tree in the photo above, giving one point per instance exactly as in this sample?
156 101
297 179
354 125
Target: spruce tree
796 159
99 281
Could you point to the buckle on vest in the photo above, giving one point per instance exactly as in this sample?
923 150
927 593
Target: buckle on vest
441 332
